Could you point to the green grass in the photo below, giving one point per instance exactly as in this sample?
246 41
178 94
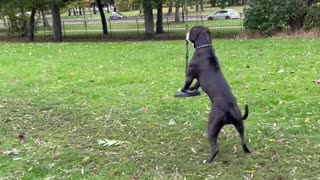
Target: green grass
70 95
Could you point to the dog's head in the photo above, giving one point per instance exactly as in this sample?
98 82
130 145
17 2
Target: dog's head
199 35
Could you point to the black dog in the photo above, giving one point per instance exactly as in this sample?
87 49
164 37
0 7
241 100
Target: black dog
205 68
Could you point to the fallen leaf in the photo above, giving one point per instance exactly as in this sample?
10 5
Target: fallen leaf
250 172
172 122
108 142
86 159
234 148
307 120
2 152
316 81
13 152
82 171
281 71
193 150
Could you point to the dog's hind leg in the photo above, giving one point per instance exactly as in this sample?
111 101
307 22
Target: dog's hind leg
240 129
214 128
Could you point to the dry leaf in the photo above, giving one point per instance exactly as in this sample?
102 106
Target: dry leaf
108 142
316 81
307 120
234 148
172 122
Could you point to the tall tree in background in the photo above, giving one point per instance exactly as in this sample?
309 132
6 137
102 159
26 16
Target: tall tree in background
103 17
170 4
159 25
35 5
56 20
197 5
148 19
201 5
177 4
32 23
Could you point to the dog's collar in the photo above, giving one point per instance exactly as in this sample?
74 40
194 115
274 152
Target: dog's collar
204 46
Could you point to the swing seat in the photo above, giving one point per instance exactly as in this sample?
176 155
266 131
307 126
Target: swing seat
189 93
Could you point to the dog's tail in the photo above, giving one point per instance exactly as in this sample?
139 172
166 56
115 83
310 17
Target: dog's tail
246 112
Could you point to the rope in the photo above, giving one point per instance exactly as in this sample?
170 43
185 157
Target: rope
187 28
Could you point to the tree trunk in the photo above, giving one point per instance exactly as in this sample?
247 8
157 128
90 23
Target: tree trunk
56 20
296 24
201 6
148 19
197 5
108 6
94 8
176 13
32 24
103 17
159 28
170 8
80 11
183 11
44 20
4 21
24 25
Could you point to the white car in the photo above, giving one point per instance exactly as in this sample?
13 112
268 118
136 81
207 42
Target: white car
224 14
117 16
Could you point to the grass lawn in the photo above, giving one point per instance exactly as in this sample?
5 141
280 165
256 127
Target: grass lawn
68 97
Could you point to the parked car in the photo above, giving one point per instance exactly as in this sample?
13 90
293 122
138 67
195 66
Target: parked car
117 16
224 14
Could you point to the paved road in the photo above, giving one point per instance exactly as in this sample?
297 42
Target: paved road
131 20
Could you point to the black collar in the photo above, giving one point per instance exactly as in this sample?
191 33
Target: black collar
204 46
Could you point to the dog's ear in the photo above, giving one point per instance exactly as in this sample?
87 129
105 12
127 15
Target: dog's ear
194 34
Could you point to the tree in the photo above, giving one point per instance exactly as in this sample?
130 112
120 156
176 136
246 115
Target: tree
271 16
222 3
177 4
17 16
32 24
103 17
213 3
201 6
312 19
159 25
34 6
56 20
148 19
170 4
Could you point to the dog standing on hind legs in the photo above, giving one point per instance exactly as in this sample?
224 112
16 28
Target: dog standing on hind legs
205 68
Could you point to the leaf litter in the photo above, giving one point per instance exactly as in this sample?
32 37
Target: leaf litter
109 142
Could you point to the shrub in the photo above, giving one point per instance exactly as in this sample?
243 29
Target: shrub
265 16
312 19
